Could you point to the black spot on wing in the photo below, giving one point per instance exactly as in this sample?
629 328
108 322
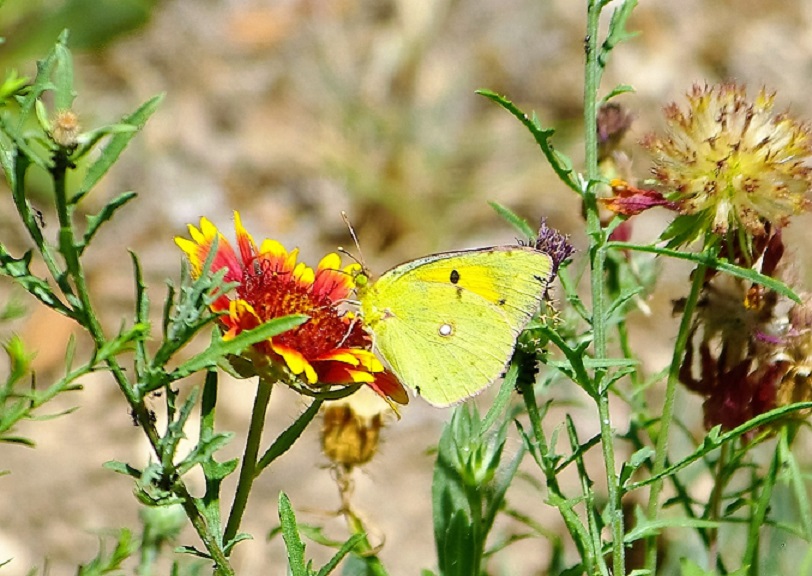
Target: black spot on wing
502 302
455 276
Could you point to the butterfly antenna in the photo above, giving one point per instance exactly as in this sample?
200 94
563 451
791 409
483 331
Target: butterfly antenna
360 258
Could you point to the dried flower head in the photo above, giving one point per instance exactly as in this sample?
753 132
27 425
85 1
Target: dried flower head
752 356
330 348
351 428
731 164
612 124
554 243
792 357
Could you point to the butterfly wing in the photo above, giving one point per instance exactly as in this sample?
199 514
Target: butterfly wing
447 324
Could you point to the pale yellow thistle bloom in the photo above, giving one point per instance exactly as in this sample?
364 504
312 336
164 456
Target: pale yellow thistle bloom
734 164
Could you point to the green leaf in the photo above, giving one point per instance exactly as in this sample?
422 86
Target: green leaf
13 85
798 483
617 30
63 78
645 529
287 438
715 438
617 91
122 343
719 264
638 458
519 223
221 348
20 271
204 451
175 430
450 507
116 146
141 318
345 549
560 163
102 564
42 82
502 400
105 215
123 468
502 481
290 534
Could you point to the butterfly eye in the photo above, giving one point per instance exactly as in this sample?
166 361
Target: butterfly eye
446 330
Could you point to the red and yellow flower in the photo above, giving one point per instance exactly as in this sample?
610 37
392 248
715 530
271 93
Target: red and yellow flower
330 348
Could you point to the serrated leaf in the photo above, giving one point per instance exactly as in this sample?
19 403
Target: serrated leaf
122 468
42 82
204 451
290 534
105 215
19 270
560 163
118 142
617 30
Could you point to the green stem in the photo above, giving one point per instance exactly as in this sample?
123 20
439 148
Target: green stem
21 165
661 449
248 470
715 504
373 564
762 507
597 261
85 314
556 497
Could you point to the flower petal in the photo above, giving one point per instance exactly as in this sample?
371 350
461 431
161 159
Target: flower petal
199 247
296 362
332 282
390 388
248 250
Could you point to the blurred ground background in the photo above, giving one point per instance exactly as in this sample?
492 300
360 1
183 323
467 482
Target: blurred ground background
292 111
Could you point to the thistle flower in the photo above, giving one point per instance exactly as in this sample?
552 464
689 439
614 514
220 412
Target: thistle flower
330 348
554 243
732 165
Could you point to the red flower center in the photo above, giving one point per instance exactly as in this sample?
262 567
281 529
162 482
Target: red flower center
274 294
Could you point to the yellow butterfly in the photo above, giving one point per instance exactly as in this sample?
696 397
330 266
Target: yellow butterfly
447 324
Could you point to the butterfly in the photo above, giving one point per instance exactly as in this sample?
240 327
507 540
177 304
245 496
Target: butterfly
447 324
